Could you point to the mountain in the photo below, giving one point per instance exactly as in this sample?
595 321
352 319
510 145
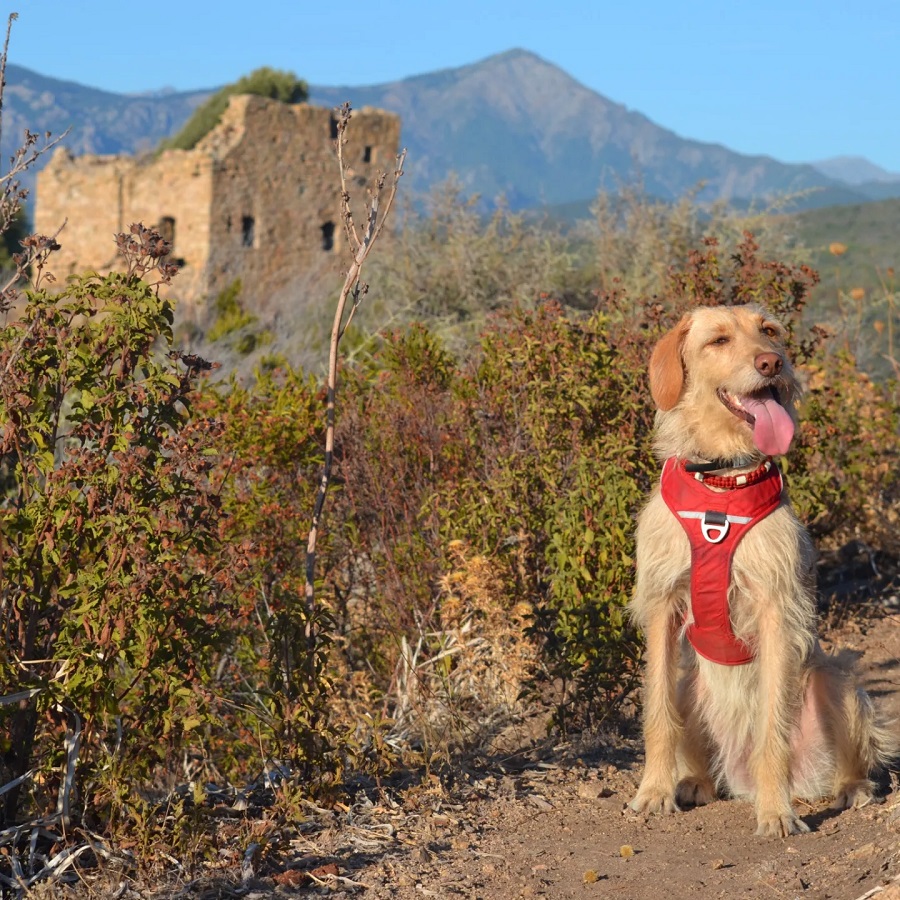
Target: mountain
856 170
518 125
512 124
100 121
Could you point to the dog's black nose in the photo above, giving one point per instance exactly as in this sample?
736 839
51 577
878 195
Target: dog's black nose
768 364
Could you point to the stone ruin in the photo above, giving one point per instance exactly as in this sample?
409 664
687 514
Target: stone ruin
257 199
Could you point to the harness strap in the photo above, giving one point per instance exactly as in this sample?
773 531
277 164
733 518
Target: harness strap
724 518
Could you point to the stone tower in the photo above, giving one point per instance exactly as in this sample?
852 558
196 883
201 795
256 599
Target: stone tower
256 199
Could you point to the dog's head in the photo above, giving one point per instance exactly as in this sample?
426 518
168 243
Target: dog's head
723 385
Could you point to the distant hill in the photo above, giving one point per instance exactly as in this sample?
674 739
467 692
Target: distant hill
518 125
855 170
871 261
512 124
100 121
871 234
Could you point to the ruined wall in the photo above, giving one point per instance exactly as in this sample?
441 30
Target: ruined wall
276 195
87 195
257 199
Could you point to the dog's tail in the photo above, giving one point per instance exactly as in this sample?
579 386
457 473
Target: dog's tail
876 737
883 734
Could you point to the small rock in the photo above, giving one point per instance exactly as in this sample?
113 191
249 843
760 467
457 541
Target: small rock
862 852
612 803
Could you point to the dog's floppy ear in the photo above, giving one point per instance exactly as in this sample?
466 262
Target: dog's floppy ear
667 368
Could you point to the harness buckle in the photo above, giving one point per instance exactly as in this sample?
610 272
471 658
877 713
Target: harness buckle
714 526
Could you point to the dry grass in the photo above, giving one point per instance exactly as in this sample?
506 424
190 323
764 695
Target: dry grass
461 684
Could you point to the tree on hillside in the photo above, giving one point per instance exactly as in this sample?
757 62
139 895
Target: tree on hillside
264 82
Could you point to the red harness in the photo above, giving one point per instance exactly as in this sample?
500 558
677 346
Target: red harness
723 517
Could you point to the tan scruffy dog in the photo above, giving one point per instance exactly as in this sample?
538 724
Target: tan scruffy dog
739 697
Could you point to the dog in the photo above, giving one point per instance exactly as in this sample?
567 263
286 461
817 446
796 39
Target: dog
739 697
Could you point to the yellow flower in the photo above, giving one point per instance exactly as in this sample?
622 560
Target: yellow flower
837 249
857 294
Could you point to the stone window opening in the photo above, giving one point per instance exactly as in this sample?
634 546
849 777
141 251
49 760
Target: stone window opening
248 231
166 229
328 237
368 154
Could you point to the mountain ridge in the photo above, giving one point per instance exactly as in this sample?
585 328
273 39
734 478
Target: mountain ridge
512 124
586 141
855 170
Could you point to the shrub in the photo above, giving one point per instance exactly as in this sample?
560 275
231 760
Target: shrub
535 453
558 430
233 324
12 238
264 82
267 472
108 626
527 455
450 266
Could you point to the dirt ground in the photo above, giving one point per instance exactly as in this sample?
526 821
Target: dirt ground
552 821
555 824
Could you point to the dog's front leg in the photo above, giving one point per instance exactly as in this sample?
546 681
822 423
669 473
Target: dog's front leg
779 677
662 723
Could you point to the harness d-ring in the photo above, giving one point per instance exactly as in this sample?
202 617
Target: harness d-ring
714 526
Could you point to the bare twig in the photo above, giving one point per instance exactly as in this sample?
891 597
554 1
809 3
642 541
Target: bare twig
12 18
354 289
25 156
346 215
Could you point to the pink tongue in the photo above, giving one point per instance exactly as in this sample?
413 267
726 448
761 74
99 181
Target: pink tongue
773 429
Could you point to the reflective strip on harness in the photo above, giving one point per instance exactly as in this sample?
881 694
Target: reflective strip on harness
724 518
713 521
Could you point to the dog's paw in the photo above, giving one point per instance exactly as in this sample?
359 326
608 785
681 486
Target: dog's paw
780 824
695 792
854 794
654 800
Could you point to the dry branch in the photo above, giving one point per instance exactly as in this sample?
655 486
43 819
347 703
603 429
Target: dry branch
355 289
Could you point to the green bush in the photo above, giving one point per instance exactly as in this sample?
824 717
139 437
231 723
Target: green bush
234 324
267 474
535 452
534 455
263 82
10 245
559 434
108 626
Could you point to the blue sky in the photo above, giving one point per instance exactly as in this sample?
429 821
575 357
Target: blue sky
799 81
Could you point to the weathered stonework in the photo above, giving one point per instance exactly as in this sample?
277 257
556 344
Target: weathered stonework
256 199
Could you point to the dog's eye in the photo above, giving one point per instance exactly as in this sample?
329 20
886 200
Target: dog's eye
720 341
770 331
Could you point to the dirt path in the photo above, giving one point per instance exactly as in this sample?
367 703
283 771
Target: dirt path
560 828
